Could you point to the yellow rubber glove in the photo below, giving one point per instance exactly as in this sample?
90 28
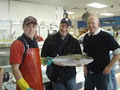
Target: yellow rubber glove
23 84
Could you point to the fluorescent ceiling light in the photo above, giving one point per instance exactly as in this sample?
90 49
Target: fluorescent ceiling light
107 14
97 5
70 12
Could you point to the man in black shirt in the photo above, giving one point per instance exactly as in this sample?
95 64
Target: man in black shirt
98 44
61 43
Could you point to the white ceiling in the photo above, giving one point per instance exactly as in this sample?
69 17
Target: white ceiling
79 6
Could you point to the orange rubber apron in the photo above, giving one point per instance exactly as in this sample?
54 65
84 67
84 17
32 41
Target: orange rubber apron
31 69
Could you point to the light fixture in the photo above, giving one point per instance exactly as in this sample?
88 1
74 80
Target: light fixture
97 5
70 12
107 14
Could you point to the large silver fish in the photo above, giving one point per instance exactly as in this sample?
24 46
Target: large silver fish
72 59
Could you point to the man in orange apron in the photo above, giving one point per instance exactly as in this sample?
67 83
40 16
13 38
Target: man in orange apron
25 59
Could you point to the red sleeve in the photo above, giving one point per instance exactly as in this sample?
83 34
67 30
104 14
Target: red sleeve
16 52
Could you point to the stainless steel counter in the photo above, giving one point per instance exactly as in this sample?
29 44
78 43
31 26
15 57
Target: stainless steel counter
4 56
5 44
